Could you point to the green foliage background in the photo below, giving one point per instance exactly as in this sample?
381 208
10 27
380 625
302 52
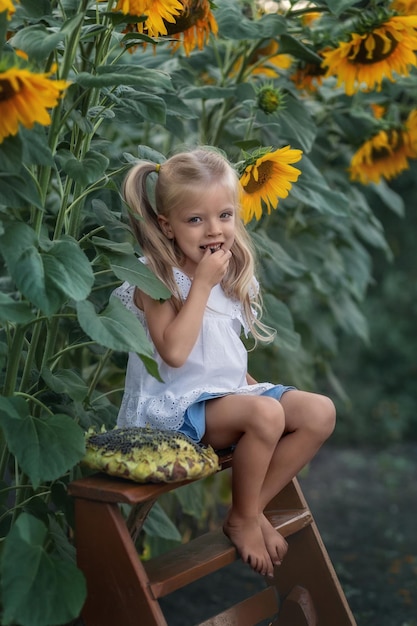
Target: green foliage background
65 246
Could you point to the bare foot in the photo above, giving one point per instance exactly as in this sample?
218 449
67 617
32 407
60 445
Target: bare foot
247 537
275 543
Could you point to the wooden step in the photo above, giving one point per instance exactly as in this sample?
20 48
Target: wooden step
209 553
262 605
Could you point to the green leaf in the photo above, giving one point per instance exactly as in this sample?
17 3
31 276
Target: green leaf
294 122
140 105
208 92
129 268
158 524
14 312
68 268
118 247
349 316
65 381
19 190
278 316
115 328
112 75
29 276
390 198
38 588
191 498
267 248
312 189
11 150
36 8
178 108
17 238
45 448
290 45
35 146
46 278
36 41
233 24
85 171
271 25
4 24
337 7
149 154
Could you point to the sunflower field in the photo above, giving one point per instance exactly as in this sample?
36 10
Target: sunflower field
315 105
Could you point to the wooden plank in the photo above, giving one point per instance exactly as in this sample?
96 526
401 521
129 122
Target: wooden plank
308 565
117 585
208 553
262 605
104 488
297 609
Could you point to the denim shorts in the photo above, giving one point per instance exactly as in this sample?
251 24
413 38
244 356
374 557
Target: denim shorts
194 424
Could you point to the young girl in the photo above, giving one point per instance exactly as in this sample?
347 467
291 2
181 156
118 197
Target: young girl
194 240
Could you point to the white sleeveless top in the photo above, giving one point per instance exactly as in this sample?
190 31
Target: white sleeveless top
217 364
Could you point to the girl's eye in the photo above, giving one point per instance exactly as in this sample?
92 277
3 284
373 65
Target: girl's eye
226 214
194 220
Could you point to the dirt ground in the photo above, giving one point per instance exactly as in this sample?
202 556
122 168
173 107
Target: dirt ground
365 505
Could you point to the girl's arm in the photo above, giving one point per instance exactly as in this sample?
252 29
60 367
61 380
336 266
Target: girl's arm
174 334
250 380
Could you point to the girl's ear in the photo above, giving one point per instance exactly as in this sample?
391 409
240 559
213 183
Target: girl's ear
165 226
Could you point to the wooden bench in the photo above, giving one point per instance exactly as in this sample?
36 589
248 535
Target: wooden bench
124 591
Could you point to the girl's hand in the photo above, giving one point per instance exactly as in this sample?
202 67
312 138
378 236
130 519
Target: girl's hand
213 266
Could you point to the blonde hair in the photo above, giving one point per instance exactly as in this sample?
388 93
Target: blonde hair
178 177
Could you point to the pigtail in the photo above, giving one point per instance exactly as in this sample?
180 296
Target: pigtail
159 251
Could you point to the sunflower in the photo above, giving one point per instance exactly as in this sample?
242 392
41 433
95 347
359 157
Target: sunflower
270 99
365 60
266 177
25 98
308 18
265 61
194 26
158 13
378 110
386 154
7 5
405 7
268 62
308 76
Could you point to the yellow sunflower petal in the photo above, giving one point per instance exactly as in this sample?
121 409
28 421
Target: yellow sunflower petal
7 5
267 180
25 98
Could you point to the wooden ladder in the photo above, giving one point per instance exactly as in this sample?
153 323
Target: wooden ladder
124 591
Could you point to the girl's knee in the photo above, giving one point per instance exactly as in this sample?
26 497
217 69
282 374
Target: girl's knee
268 417
323 418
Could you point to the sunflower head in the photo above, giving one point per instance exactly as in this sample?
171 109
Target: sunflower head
405 7
386 154
26 98
266 176
270 99
383 45
308 76
193 26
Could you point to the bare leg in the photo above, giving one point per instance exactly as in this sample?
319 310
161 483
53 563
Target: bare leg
256 423
309 421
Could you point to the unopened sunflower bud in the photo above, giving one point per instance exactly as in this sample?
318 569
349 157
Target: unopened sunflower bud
269 99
